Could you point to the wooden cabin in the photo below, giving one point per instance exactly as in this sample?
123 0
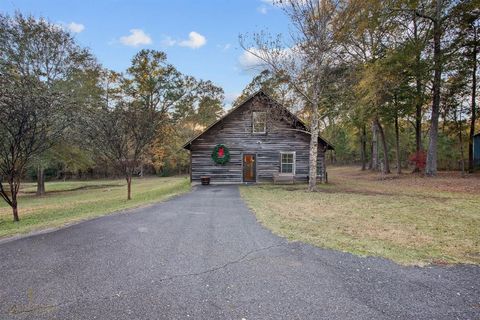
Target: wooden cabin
257 141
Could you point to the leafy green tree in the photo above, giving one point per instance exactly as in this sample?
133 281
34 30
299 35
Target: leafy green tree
37 60
413 50
276 85
155 83
209 103
364 31
465 46
439 15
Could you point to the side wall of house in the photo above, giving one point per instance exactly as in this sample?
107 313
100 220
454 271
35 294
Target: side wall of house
476 150
235 131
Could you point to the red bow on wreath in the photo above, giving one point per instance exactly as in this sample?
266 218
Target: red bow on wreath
221 152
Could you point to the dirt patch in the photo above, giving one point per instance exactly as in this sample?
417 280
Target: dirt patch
92 187
363 192
445 181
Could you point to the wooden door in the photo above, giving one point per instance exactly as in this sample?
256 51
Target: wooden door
249 168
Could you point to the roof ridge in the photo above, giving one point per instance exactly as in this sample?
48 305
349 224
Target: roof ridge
243 103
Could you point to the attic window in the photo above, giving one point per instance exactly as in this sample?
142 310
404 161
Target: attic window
259 122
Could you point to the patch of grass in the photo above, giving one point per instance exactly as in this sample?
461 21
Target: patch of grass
71 201
409 219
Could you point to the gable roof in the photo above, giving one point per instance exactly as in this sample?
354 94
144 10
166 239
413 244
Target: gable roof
297 119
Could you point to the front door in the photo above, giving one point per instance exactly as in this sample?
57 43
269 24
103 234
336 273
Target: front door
249 168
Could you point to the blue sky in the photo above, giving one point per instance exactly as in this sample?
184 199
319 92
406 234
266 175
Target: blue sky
200 37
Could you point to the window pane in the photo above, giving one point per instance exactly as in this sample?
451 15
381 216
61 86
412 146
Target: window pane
287 168
287 162
287 158
259 120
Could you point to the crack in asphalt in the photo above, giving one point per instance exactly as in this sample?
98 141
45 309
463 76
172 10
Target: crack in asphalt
16 310
242 258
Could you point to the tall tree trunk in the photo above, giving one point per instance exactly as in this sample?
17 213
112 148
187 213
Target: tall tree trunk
431 166
386 164
129 187
418 98
397 145
363 148
418 132
370 163
15 211
40 180
312 175
473 111
14 186
460 141
374 160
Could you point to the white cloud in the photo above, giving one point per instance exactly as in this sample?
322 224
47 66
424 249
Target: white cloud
137 37
75 27
224 47
168 41
230 97
195 40
262 9
250 60
270 2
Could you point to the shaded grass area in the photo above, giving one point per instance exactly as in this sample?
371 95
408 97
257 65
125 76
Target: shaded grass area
62 186
71 201
408 218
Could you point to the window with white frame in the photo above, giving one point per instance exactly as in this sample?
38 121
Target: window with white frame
287 164
259 122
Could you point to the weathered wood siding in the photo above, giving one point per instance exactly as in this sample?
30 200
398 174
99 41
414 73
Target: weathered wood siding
235 131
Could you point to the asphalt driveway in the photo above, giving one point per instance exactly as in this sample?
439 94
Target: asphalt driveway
203 256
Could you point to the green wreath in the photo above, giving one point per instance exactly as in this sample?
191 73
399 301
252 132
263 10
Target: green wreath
220 154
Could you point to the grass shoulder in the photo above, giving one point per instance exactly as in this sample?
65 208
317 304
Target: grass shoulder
408 219
72 201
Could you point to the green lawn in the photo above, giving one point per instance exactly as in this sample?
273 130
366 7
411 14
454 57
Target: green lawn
409 219
72 201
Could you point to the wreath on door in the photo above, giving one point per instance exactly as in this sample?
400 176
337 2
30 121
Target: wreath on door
220 154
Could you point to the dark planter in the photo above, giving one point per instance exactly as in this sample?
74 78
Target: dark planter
205 180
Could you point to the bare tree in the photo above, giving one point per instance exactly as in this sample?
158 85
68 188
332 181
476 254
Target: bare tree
305 62
121 134
30 118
